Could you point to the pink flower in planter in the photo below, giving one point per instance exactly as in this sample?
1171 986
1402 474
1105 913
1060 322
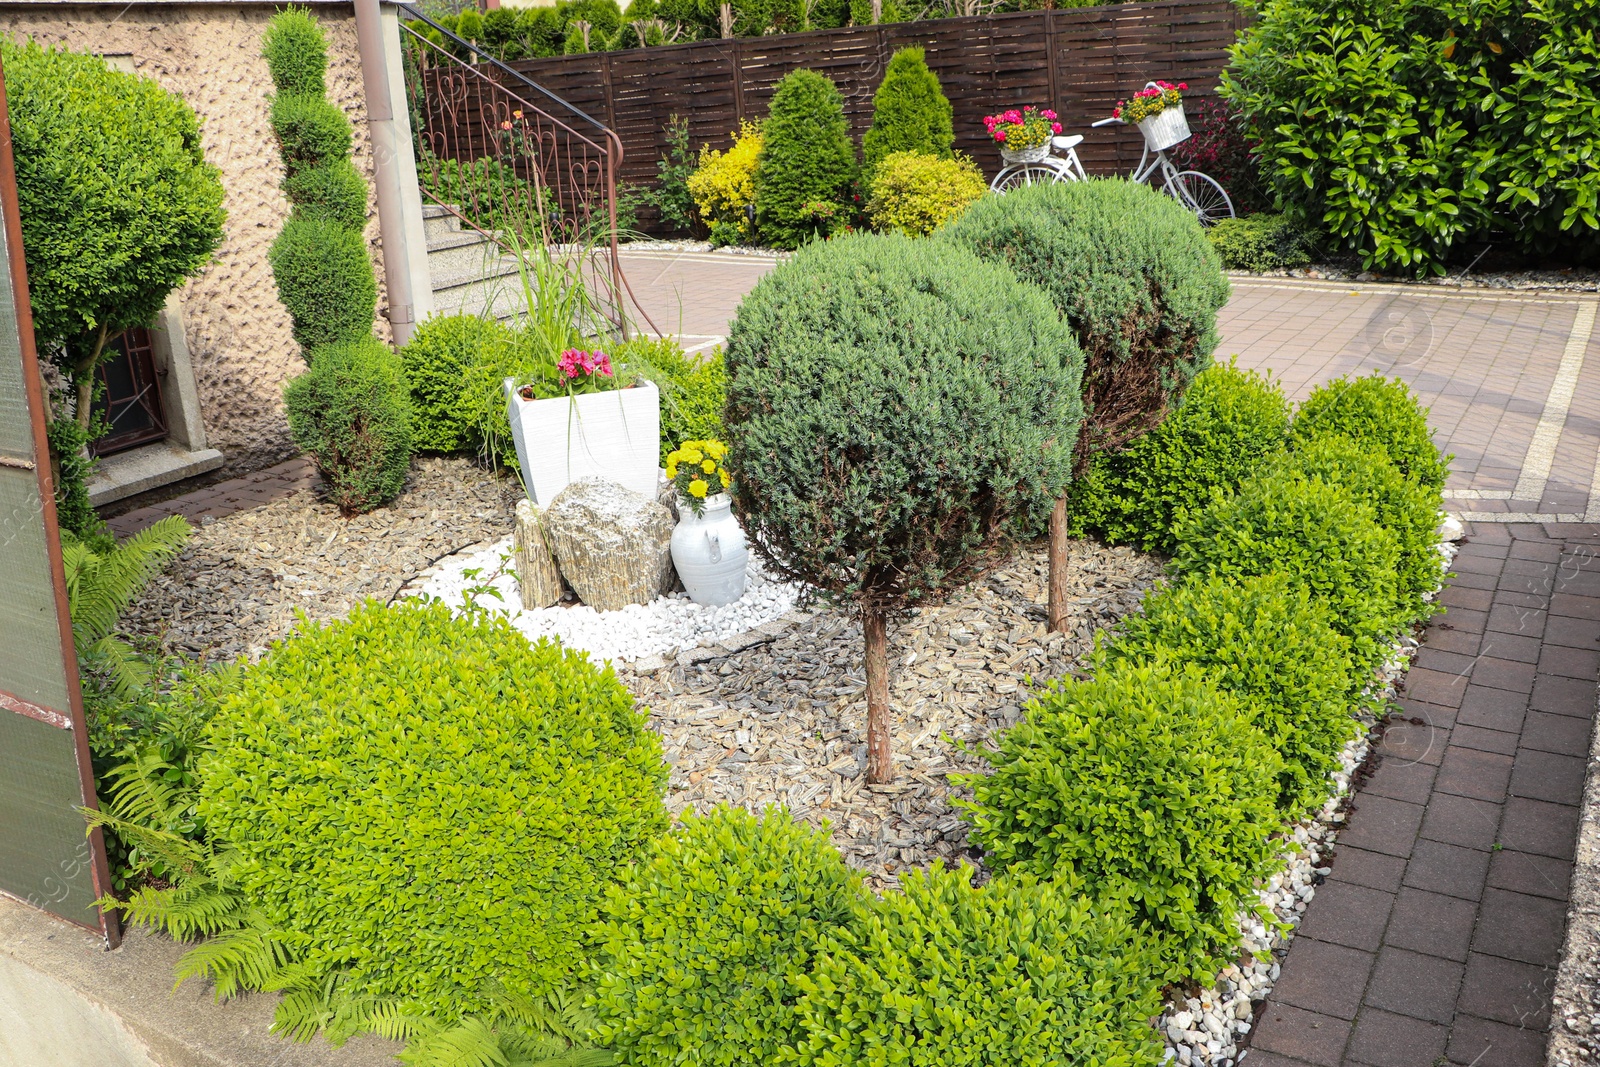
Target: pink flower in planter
1055 127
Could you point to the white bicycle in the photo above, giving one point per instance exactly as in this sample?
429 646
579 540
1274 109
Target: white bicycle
1199 192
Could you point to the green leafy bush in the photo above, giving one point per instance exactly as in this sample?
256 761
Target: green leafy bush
1407 510
1133 274
1269 643
296 52
1018 973
334 191
436 362
915 194
693 387
1228 424
410 770
325 279
704 937
1260 243
1380 413
351 414
1146 786
806 159
310 129
909 112
1406 130
1322 537
72 470
897 411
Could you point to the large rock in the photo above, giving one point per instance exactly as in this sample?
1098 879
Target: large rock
614 546
537 574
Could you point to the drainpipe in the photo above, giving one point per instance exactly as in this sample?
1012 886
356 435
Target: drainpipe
386 169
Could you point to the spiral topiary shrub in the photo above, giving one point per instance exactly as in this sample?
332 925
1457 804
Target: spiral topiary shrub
310 130
1407 509
325 280
1018 973
1133 274
704 938
1227 425
1322 537
351 415
909 112
334 191
897 411
424 810
1146 786
437 362
1273 646
1377 412
807 162
296 52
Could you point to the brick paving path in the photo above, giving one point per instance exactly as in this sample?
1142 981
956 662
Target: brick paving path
224 498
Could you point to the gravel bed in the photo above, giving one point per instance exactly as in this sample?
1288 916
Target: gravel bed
1575 279
1575 1013
784 722
664 627
243 580
653 245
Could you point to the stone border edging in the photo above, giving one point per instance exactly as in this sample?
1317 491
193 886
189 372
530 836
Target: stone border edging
1583 920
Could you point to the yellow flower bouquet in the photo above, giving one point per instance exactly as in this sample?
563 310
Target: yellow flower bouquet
696 468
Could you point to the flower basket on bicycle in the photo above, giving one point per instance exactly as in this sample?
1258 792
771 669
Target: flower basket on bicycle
1036 154
1165 128
1158 111
1023 136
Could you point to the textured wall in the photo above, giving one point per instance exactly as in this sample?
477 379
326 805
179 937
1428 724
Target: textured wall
210 54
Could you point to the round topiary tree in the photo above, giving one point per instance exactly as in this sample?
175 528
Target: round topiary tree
118 203
807 162
296 52
1375 412
1133 274
897 412
909 112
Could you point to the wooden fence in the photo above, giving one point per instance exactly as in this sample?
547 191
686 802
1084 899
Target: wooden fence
1080 61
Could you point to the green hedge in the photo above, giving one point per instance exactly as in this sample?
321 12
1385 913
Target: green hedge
310 129
1268 642
296 52
437 361
1321 537
325 279
1016 974
428 808
1132 273
1260 242
1144 786
704 938
351 415
1376 412
1228 424
334 191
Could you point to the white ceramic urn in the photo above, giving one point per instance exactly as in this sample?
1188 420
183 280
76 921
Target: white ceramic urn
709 552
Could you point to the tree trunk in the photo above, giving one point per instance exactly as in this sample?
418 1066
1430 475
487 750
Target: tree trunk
880 754
1057 608
83 379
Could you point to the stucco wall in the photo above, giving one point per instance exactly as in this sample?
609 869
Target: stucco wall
210 54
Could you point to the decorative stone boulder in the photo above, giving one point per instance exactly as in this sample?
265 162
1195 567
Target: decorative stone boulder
614 546
537 575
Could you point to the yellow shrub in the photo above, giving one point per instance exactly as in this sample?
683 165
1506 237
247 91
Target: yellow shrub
725 182
917 193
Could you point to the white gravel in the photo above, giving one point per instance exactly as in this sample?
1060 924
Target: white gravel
664 627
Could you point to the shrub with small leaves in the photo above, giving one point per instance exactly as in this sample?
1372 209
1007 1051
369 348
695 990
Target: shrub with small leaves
916 193
1019 973
310 130
724 185
325 279
1379 413
1146 786
704 937
693 387
1322 537
1260 242
436 362
807 158
351 415
1269 643
334 191
296 52
910 112
1228 424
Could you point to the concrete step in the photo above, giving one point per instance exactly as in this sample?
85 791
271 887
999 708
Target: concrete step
464 251
437 222
499 296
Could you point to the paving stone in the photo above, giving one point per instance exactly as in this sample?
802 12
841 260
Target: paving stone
1461 821
1435 687
1374 870
1449 869
1421 713
1400 779
1573 633
1384 1039
1477 737
1546 552
1470 772
1459 596
1323 977
1410 983
1524 872
1446 640
1539 827
1475 581
1577 607
1431 923
1476 1042
1417 743
1517 926
1507 991
1299 1034
1564 696
1570 662
1492 709
1466 620
1380 824
1349 915
1549 732
1503 674
1260 1057
1510 646
1514 619
1548 776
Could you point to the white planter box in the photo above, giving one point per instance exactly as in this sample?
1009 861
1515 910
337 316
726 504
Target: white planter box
614 435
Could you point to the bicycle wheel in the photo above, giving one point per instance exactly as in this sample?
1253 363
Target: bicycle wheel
1025 174
1201 194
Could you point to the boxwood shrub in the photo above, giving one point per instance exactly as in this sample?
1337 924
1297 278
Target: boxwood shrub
704 938
1146 786
1322 537
310 130
1132 273
1260 242
351 415
1019 973
693 387
1225 428
1407 509
425 808
325 280
296 52
1377 412
1270 644
437 362
334 190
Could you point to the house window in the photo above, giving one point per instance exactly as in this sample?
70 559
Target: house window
130 395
